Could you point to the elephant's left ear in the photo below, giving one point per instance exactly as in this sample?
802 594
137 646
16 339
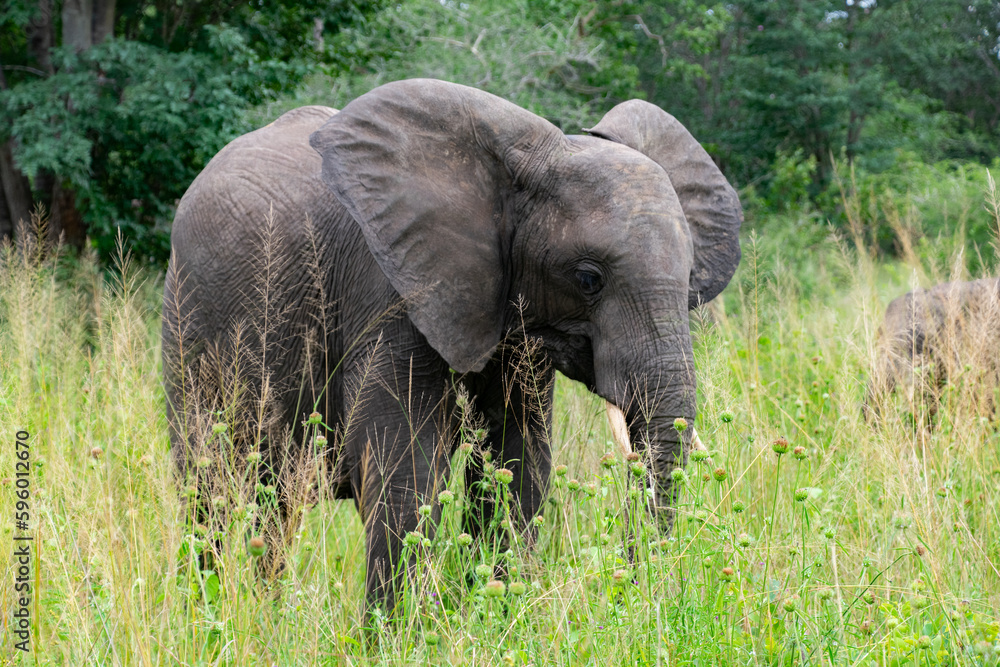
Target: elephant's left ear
710 203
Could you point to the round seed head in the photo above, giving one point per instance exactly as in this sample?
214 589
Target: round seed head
495 588
465 447
538 521
424 510
561 470
637 468
204 462
719 474
573 485
739 506
413 538
518 588
780 446
96 452
257 546
924 642
608 461
314 418
699 455
253 457
431 638
504 476
321 440
791 603
484 571
726 417
619 576
680 424
727 573
868 597
464 539
678 475
744 540
219 428
799 453
801 495
825 594
446 497
632 456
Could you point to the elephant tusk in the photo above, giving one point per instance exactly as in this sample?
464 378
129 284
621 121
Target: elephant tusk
696 442
619 429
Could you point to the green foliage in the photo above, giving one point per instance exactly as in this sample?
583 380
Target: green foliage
129 123
533 53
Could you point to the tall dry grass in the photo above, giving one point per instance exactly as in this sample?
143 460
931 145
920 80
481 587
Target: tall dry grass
858 544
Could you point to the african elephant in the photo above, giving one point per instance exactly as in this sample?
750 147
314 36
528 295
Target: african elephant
420 248
933 335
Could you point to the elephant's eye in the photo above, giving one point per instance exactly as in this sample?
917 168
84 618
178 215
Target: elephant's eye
590 282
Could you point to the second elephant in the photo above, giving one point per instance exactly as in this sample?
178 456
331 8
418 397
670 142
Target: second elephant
931 336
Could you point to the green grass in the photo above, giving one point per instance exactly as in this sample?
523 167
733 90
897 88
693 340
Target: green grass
860 545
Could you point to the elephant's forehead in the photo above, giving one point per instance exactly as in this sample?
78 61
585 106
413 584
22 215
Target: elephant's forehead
616 191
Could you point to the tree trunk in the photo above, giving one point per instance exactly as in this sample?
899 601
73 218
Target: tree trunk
6 224
103 22
17 192
77 24
84 23
39 33
65 222
318 34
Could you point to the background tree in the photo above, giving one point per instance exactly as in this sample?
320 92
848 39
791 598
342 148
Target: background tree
109 109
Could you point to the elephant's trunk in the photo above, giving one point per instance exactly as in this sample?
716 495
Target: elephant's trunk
647 421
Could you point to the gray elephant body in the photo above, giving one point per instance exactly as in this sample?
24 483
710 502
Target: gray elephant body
428 234
929 336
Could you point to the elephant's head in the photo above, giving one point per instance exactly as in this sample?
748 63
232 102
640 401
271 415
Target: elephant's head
472 205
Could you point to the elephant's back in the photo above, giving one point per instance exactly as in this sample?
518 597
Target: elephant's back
273 166
260 201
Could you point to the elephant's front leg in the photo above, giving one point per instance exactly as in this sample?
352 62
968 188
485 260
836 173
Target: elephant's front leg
400 449
514 394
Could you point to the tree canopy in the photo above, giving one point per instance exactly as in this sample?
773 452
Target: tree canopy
110 109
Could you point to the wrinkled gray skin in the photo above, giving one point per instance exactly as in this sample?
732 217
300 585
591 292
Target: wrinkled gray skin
929 336
462 205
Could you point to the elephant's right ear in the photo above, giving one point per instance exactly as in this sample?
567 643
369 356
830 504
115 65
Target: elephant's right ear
423 166
710 203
